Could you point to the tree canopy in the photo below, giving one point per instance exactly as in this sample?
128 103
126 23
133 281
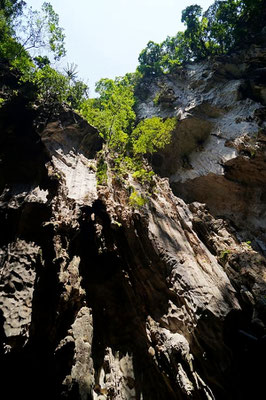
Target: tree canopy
26 33
29 40
39 32
152 134
113 114
225 25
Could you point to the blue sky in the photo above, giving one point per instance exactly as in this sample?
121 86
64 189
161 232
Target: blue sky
104 37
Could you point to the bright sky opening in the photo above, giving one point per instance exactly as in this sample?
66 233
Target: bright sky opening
105 37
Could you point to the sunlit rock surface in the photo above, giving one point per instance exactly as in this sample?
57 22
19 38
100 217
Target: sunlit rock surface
101 300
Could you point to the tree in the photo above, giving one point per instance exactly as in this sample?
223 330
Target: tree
11 9
152 134
77 93
30 32
234 22
175 51
10 50
222 21
251 19
23 30
71 71
196 31
41 61
40 32
52 87
225 25
150 59
112 113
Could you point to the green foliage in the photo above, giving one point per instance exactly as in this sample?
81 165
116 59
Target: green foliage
226 24
41 61
2 102
152 134
40 31
10 49
11 8
124 164
248 244
55 33
22 31
156 99
223 255
77 93
143 176
195 32
112 113
90 110
15 54
150 60
52 86
101 174
174 51
136 200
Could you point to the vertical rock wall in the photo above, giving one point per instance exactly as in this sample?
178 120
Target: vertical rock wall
102 300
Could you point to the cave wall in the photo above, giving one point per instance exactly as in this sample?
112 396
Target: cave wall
217 153
102 300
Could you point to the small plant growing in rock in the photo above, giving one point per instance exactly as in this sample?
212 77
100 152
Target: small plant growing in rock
156 99
223 255
101 174
57 176
143 175
116 223
137 201
248 244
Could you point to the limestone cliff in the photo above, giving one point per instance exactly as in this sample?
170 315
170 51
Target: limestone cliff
103 300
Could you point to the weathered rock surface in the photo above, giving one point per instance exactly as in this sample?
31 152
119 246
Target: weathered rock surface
217 155
101 300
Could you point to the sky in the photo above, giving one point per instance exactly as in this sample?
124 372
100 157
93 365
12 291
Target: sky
105 37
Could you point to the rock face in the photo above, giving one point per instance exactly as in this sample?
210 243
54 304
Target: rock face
103 300
217 155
